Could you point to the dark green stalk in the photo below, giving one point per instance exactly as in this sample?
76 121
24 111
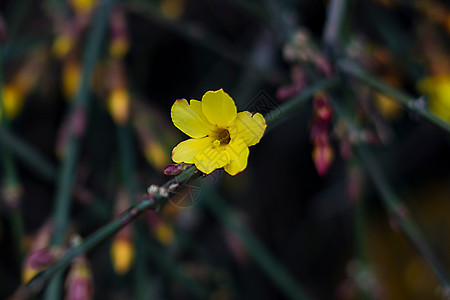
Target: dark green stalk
393 203
395 207
271 267
11 180
79 109
407 101
128 166
333 25
147 203
32 159
18 13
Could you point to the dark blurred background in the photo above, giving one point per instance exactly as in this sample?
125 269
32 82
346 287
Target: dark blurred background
330 231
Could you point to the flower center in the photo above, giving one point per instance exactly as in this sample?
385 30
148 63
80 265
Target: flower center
223 138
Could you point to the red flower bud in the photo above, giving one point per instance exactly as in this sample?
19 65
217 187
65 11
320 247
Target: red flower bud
323 157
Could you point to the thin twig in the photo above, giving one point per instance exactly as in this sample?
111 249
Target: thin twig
393 203
148 203
407 101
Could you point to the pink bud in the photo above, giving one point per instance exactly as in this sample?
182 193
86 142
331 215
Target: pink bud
175 169
2 30
323 157
40 258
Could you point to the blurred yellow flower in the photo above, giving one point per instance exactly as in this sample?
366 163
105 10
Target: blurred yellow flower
83 6
164 233
387 107
119 47
62 45
156 155
71 78
119 105
122 254
173 9
220 135
12 100
438 90
28 273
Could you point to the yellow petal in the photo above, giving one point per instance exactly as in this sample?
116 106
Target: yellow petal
211 158
238 151
248 127
190 119
219 108
187 150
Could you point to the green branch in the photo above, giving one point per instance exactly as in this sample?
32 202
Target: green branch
407 101
392 202
148 203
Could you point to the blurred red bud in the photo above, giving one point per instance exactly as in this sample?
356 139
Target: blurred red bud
175 169
323 157
2 30
79 283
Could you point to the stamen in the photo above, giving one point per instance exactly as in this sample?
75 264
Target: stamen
216 143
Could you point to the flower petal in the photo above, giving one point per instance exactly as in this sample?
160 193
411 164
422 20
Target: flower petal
249 127
238 151
219 108
187 150
190 119
211 158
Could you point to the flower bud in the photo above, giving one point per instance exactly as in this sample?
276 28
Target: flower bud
79 283
119 105
38 260
122 248
173 9
322 107
13 98
71 77
62 45
164 233
175 169
83 7
122 252
119 39
323 157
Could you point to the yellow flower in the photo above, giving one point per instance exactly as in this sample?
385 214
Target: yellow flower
438 90
122 254
220 135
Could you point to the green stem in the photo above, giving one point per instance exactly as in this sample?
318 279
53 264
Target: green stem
80 107
128 165
33 159
38 282
272 268
393 203
395 207
18 13
407 101
11 180
333 25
